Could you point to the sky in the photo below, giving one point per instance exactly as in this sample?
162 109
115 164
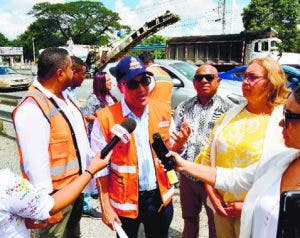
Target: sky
198 17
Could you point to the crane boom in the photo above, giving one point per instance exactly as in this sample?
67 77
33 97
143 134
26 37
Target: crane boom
132 40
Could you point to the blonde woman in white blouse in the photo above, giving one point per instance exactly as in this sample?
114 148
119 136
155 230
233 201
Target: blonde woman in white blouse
264 180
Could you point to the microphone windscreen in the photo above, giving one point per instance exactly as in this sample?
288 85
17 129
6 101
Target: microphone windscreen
129 124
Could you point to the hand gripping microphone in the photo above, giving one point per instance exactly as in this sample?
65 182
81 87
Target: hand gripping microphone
122 132
161 150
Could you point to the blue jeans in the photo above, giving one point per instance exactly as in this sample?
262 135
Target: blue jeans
87 202
156 223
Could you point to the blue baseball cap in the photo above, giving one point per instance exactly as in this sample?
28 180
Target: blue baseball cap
130 67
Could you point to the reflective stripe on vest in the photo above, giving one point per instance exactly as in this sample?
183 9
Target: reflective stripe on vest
159 73
124 206
163 79
52 110
59 170
167 196
123 168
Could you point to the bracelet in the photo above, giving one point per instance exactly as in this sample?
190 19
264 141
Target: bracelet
92 175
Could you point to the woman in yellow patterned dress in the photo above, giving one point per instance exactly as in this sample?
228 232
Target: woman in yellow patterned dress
242 135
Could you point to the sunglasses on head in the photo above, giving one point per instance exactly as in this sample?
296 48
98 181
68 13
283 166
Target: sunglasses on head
134 84
287 115
208 77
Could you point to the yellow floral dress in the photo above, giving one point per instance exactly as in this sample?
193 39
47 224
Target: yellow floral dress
239 144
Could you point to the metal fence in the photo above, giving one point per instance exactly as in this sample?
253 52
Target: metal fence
7 104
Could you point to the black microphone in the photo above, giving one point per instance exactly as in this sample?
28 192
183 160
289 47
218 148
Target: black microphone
122 132
161 150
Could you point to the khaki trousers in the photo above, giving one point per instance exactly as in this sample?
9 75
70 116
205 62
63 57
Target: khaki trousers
227 227
56 230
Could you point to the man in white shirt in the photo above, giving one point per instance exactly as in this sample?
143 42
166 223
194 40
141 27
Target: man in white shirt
53 143
135 189
79 70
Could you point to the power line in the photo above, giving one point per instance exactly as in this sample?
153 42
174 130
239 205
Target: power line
215 15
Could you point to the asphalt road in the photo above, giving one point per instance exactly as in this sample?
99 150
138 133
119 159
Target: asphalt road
83 91
90 228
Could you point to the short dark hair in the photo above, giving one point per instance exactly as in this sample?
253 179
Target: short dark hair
146 58
50 60
296 94
77 63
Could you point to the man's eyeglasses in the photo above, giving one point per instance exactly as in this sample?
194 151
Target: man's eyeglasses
287 115
208 77
134 84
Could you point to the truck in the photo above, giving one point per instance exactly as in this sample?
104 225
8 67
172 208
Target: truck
230 50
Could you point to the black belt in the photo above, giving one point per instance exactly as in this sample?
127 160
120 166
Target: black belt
149 193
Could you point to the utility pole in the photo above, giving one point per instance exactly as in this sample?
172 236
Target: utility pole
231 15
33 49
224 17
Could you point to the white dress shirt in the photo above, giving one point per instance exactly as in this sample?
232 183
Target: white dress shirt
34 134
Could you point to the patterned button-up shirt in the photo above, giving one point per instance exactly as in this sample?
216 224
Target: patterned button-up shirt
201 119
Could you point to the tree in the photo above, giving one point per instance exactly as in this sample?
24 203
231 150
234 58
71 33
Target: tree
3 40
282 15
154 39
44 34
86 22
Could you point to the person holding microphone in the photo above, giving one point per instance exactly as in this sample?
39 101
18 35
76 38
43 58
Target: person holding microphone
19 199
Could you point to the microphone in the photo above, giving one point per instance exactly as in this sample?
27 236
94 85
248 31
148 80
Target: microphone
161 150
122 132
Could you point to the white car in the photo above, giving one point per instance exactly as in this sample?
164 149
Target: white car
182 74
11 79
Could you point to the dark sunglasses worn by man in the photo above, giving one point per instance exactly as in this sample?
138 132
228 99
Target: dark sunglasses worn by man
200 77
134 84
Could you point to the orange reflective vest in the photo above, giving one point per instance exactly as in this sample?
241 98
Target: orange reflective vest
162 90
123 187
64 165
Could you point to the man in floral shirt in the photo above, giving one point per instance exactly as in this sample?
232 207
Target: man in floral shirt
200 112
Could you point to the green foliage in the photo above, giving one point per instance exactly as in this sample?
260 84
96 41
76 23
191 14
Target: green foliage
86 22
282 15
44 34
3 40
154 39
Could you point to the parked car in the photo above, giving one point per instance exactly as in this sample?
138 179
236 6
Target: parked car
182 74
11 79
237 74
